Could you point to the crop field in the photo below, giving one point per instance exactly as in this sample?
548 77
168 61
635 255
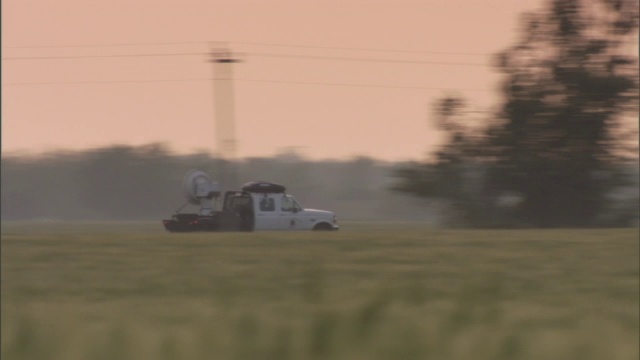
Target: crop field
370 291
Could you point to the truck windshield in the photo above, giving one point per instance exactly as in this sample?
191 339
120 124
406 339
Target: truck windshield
290 204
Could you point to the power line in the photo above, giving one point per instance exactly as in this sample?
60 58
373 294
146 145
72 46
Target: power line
360 85
102 45
361 49
314 57
300 46
311 83
365 59
95 56
100 82
246 80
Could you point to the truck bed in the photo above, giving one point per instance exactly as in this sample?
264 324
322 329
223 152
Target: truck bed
219 221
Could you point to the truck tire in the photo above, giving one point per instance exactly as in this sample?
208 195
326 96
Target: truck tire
323 226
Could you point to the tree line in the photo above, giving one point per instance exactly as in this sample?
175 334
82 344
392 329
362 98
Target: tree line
144 183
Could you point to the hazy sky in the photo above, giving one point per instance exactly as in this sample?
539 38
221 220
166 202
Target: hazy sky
329 99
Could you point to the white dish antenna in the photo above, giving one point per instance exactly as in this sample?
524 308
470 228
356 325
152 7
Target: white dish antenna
199 189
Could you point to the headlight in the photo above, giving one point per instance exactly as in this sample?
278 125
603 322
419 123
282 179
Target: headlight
335 219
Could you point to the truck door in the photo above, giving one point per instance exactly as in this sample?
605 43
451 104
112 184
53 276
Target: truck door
266 212
237 213
289 219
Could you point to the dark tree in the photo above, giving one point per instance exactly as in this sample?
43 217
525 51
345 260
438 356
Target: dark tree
554 147
569 84
453 180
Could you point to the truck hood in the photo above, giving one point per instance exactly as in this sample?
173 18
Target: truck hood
316 212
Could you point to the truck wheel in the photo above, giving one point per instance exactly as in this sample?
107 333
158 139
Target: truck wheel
322 227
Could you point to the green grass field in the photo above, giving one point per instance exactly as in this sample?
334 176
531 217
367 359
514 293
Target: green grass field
370 291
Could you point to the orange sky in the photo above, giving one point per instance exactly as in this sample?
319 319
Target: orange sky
79 103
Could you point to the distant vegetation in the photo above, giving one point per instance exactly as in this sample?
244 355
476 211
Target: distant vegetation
144 183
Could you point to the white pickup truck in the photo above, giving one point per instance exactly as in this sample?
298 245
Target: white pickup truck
258 206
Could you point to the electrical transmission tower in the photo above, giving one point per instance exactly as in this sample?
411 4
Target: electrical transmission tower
224 112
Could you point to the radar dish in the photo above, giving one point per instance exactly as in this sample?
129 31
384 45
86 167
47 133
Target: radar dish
197 185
